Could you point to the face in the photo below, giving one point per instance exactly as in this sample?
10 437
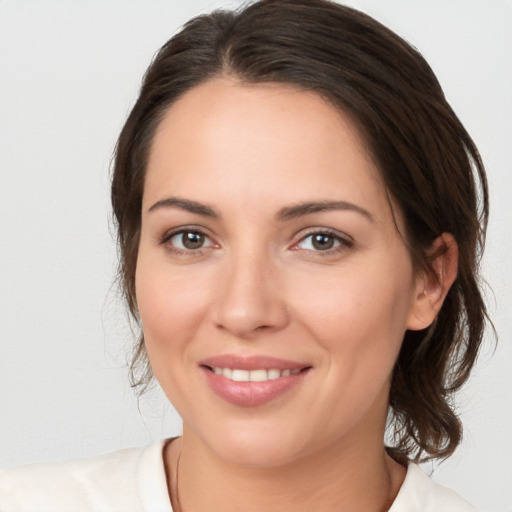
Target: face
273 286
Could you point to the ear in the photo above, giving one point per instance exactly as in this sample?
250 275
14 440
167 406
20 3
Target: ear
432 287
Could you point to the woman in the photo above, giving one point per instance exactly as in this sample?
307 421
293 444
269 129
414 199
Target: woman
299 229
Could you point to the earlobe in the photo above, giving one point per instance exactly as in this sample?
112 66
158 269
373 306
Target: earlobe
432 287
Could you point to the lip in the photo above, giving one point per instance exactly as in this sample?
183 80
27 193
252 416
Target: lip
251 394
255 362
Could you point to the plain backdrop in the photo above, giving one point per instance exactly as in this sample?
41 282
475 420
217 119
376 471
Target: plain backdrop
69 73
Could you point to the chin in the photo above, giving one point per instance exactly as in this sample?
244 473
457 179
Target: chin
258 453
256 446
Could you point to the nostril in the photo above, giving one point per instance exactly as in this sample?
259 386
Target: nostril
263 328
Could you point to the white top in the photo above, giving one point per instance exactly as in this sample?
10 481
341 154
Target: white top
133 480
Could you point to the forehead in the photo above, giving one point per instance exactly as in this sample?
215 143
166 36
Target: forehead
264 141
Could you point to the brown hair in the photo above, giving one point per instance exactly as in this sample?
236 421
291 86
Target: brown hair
429 164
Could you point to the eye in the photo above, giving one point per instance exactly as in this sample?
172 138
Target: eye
187 240
323 241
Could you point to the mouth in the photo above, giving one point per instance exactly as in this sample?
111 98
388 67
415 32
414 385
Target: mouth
258 375
252 381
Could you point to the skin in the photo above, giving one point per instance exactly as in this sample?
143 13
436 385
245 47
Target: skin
259 286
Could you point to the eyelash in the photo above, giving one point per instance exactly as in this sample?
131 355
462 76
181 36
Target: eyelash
343 242
184 252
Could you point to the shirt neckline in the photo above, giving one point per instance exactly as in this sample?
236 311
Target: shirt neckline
152 480
154 494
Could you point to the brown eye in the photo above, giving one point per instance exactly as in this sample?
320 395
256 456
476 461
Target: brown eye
322 241
192 240
189 240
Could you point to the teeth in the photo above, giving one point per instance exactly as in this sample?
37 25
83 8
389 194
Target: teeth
240 375
258 375
274 374
254 375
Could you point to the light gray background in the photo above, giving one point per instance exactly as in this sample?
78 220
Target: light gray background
69 72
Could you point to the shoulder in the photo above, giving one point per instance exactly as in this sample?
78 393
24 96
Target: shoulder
132 479
420 494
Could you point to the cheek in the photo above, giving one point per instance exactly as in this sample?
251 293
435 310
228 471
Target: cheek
358 315
170 304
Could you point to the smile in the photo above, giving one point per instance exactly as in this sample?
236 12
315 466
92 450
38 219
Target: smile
252 388
258 375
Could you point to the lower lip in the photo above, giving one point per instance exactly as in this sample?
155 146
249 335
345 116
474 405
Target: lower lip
251 394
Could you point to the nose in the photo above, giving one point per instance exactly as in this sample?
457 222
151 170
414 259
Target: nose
250 301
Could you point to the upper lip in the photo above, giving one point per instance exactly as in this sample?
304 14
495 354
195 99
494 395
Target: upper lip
255 362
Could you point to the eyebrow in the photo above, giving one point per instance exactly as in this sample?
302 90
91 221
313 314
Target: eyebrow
187 205
286 213
307 208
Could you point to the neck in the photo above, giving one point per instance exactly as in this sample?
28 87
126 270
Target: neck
355 478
